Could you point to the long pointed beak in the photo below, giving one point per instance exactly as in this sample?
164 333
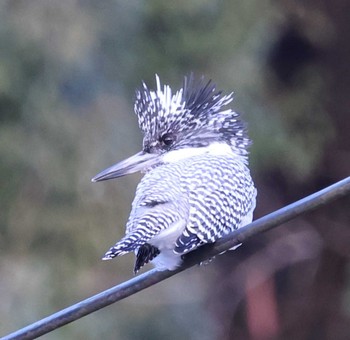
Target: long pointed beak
138 162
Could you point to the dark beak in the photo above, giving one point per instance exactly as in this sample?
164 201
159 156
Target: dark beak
138 162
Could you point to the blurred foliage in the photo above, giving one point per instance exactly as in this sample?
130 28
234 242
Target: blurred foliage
68 70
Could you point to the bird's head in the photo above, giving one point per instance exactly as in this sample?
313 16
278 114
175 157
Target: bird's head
191 121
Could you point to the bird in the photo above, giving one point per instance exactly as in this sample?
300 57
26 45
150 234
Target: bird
197 185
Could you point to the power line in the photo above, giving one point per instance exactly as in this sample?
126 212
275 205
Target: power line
130 287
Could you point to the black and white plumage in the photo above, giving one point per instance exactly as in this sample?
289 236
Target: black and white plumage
197 185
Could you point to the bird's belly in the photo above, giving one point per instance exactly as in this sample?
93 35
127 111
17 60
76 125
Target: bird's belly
165 242
166 238
167 260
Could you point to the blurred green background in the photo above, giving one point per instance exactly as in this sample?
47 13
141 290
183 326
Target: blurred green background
68 70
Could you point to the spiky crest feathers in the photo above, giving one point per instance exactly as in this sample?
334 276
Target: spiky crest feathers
194 114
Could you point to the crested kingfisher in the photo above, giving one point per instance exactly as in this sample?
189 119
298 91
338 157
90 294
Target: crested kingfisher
196 186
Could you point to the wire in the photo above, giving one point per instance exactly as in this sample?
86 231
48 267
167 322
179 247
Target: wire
130 287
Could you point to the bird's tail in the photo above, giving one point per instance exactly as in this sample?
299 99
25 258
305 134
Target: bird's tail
131 242
126 245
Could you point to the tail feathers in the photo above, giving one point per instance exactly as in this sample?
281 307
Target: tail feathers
145 251
129 243
145 254
124 246
117 250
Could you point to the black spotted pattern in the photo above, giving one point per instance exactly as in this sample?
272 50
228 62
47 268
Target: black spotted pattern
206 195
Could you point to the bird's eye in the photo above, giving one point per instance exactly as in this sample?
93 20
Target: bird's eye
167 139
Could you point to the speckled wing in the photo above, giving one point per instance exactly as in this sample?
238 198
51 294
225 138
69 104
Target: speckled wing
160 197
159 203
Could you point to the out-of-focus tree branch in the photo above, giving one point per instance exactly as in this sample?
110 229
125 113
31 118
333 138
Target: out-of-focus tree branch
152 277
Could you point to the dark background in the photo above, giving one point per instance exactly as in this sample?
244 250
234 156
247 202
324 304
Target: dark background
68 70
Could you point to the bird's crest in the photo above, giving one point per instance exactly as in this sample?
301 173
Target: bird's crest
195 115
